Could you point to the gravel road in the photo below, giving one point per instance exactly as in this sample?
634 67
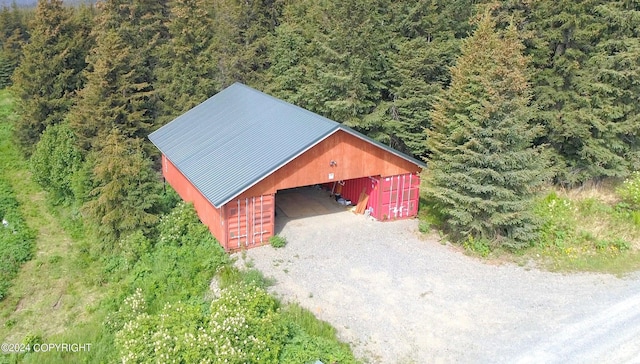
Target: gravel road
397 297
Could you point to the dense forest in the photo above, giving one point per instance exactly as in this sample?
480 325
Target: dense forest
94 81
499 98
102 78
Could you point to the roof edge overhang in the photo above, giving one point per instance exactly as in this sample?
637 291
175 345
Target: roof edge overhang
185 176
382 146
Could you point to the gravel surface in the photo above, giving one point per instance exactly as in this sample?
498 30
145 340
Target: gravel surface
397 297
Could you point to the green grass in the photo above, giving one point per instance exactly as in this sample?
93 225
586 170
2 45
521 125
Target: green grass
50 293
586 231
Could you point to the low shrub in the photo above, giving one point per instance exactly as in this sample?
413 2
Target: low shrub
242 326
277 241
424 226
17 240
478 246
629 192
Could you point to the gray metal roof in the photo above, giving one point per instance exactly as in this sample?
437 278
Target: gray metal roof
238 137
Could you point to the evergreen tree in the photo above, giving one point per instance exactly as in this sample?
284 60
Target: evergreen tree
614 92
483 168
344 69
240 32
13 34
187 72
428 37
119 92
50 72
127 188
575 92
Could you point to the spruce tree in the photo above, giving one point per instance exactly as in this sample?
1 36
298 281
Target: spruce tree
50 71
483 170
13 35
579 83
614 92
428 34
344 69
116 111
240 31
55 161
120 92
187 70
127 188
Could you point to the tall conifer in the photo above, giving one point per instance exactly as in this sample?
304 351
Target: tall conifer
240 32
13 35
49 74
120 83
127 188
187 72
483 170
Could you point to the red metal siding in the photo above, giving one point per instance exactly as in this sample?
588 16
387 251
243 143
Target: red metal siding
392 197
208 214
353 188
250 222
396 197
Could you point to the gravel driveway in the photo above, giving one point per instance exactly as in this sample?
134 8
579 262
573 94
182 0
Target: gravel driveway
397 297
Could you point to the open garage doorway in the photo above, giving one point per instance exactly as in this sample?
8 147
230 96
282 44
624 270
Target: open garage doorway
305 202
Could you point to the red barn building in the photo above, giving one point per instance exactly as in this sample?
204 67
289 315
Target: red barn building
231 154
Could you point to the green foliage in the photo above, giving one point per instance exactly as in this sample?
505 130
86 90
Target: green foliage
478 246
17 240
429 43
119 91
13 35
240 32
312 339
50 72
278 241
187 73
55 161
558 224
484 170
629 192
585 56
127 189
182 262
244 326
586 234
333 62
424 226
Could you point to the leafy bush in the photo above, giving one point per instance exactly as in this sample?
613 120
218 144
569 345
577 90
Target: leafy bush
478 246
55 161
277 241
17 240
424 226
312 339
243 327
629 192
558 225
586 234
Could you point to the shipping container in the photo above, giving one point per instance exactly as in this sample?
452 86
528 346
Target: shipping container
250 222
